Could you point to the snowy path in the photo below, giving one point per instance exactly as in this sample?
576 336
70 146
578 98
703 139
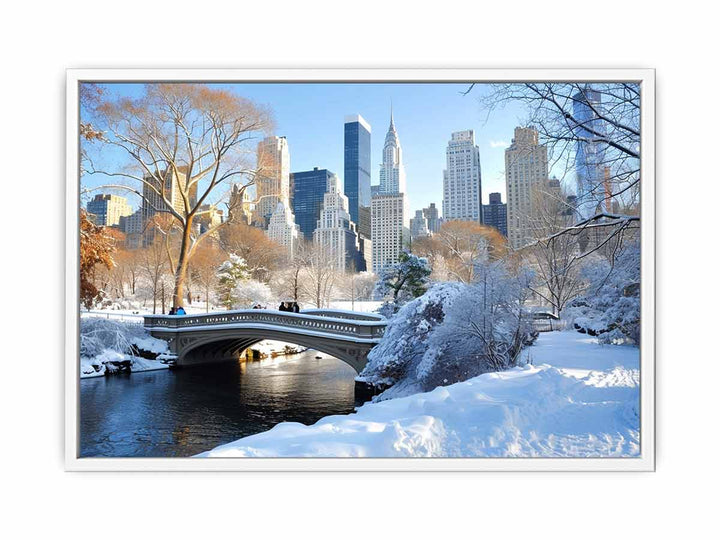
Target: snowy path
578 399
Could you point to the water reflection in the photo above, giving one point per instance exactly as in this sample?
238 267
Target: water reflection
187 411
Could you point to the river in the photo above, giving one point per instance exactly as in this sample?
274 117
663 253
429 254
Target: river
182 412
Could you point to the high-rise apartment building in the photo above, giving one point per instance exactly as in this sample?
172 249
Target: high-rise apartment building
495 213
155 193
272 184
109 209
432 215
132 223
390 210
590 153
526 172
462 182
282 228
357 182
335 232
306 197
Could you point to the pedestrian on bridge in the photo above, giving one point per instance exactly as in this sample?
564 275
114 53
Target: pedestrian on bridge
294 307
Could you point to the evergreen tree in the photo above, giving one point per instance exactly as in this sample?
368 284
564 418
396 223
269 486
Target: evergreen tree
230 274
406 279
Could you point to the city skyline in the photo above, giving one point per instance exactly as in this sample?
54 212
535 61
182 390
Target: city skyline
312 117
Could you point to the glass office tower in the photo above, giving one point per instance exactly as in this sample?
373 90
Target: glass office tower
306 198
590 154
357 176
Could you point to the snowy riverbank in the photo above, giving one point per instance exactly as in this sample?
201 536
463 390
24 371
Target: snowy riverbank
576 399
108 346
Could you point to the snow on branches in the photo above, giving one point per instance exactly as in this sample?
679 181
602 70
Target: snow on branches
401 282
610 308
230 274
453 332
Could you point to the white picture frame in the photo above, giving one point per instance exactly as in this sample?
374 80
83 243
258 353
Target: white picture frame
646 459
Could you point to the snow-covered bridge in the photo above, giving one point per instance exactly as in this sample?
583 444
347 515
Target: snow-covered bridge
215 337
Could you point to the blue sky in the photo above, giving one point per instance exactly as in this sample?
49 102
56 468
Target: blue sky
311 116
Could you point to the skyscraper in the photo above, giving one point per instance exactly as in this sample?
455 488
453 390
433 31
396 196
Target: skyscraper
526 172
462 184
495 213
590 154
357 181
392 170
282 228
335 232
306 197
109 209
419 226
272 183
433 218
390 211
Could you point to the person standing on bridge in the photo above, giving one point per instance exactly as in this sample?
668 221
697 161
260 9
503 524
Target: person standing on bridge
295 308
284 306
180 311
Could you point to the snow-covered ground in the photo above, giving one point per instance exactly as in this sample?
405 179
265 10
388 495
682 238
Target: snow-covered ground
575 399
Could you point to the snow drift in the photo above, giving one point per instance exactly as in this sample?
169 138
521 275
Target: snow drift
576 399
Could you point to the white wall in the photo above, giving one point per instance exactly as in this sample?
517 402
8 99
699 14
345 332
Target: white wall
40 42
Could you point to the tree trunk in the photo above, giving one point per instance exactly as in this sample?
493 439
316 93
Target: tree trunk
182 264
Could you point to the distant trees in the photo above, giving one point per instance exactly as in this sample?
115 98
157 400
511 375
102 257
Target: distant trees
354 286
251 291
459 247
156 268
185 144
96 248
262 255
203 269
319 277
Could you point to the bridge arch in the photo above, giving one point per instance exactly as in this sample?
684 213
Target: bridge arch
215 337
225 345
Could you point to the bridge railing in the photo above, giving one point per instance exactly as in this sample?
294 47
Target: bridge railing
361 328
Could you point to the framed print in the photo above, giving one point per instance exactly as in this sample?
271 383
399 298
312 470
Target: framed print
362 269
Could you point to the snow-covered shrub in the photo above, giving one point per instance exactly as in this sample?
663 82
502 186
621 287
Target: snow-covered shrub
98 335
453 332
251 292
484 329
401 282
610 308
406 335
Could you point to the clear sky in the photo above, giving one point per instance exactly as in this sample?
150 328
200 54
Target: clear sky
311 116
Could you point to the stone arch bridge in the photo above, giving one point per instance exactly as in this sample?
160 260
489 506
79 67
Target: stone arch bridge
222 336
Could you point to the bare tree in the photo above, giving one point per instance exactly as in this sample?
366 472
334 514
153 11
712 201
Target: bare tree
319 275
204 267
592 131
460 246
185 144
552 257
155 267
